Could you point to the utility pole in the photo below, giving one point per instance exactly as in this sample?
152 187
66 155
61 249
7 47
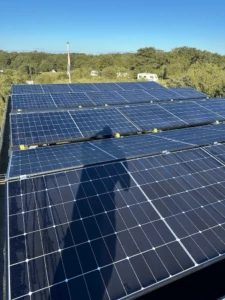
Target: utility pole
68 64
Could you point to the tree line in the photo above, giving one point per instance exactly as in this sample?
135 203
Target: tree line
182 66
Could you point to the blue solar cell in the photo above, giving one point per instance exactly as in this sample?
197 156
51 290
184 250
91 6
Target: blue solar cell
32 101
26 89
101 122
136 96
82 87
101 98
107 87
72 100
166 219
35 128
56 88
184 111
148 117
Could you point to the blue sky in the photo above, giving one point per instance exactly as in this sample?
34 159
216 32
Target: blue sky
96 26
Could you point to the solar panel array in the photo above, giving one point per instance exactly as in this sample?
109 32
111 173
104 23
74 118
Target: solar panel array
48 159
36 128
75 95
112 218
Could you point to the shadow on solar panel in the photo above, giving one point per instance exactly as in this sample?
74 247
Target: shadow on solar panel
96 191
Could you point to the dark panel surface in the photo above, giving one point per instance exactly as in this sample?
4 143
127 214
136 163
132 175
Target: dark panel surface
34 128
32 101
82 87
106 97
79 154
26 89
166 216
101 122
56 88
151 116
72 100
188 92
184 111
136 96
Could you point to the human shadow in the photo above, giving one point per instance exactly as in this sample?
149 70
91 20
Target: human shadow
88 241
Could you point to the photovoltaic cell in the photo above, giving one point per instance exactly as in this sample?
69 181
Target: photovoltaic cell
56 88
107 87
148 117
136 96
26 89
184 111
189 93
32 101
112 230
101 122
82 87
35 128
72 100
102 98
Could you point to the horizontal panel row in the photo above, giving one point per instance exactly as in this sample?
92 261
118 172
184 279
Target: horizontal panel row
44 127
48 159
36 128
115 229
93 98
81 87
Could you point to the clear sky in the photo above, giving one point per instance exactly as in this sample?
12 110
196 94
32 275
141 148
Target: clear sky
97 26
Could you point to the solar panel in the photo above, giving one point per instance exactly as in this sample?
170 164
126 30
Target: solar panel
136 96
188 93
151 116
72 100
46 127
47 159
56 88
127 86
191 112
150 85
215 105
107 87
101 122
164 94
202 135
115 230
101 98
82 87
26 89
32 101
